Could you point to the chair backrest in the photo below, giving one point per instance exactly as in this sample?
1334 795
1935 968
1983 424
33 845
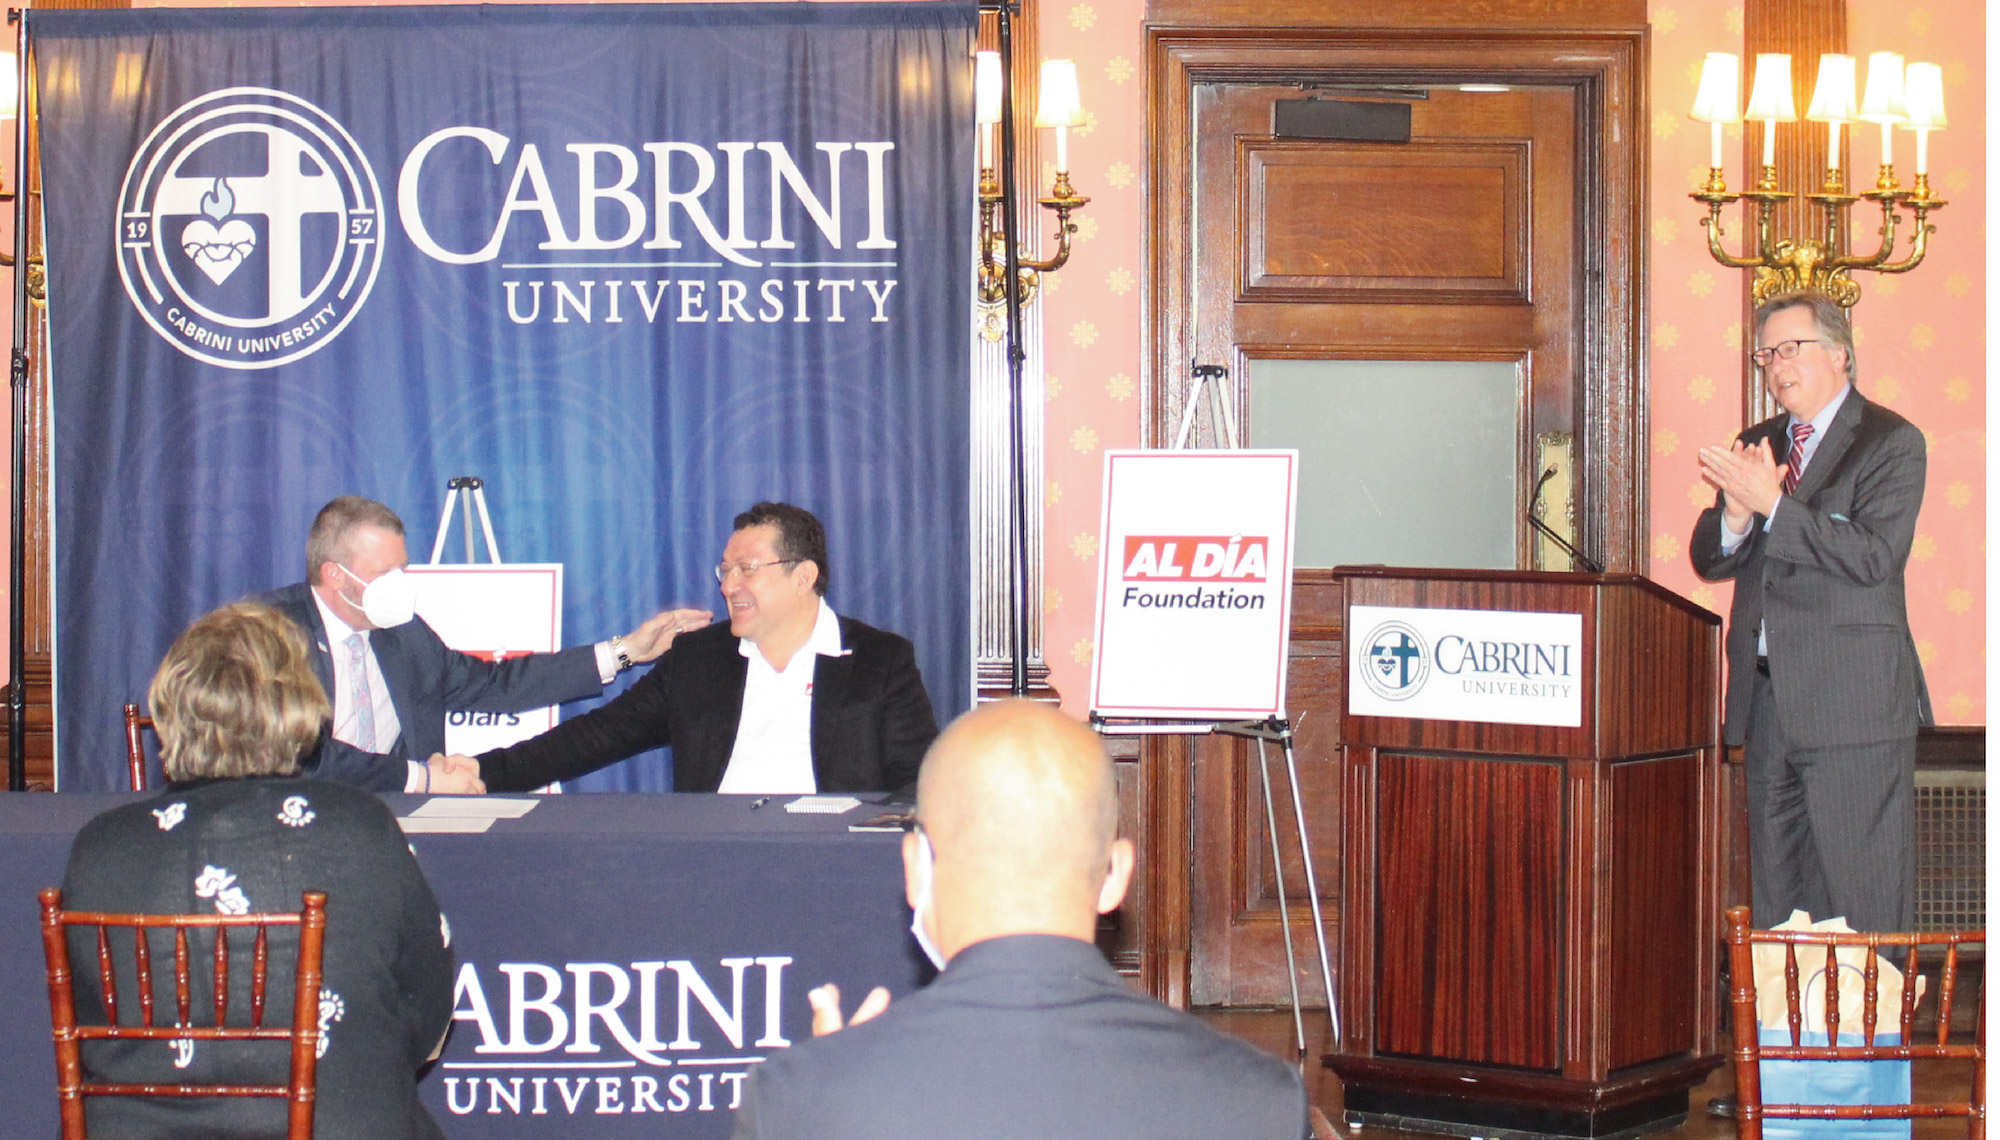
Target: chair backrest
135 745
302 1033
1808 953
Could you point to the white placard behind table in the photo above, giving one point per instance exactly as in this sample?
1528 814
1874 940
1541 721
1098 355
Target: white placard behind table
493 611
1194 584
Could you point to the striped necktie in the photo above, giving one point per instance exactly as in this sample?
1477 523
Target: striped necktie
1795 460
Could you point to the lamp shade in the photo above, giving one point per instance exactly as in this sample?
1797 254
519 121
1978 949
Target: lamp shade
1833 93
1716 100
1061 105
10 85
986 86
1923 96
1771 91
1884 101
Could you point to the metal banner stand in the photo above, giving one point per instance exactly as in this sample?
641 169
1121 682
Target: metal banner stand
1212 381
475 499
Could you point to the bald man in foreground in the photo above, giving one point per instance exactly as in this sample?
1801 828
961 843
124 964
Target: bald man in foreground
1028 1032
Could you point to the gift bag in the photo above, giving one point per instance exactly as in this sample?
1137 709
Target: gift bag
1829 1082
1833 1082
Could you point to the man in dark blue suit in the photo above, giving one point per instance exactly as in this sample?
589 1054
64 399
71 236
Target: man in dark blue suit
391 678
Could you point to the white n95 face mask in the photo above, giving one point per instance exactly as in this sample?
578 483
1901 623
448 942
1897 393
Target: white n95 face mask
924 869
389 600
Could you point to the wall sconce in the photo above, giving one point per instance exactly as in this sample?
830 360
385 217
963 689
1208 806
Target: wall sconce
1912 97
1060 107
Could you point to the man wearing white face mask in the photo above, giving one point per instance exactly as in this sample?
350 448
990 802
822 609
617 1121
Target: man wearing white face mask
1028 1031
393 681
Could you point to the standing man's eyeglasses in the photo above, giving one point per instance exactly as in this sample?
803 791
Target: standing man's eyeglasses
1783 350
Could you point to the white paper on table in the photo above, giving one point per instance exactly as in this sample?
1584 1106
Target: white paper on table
474 807
412 824
823 805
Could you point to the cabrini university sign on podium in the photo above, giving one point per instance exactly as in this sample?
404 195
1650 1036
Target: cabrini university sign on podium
1500 667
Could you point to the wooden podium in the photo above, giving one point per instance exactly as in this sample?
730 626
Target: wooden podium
1531 915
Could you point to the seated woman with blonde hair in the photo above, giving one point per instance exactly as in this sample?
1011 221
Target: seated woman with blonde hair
238 832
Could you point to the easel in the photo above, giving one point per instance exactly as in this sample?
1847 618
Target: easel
1212 381
475 498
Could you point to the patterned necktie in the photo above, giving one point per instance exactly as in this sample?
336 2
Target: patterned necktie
1795 460
364 698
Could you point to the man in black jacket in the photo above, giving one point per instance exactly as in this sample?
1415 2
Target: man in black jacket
788 698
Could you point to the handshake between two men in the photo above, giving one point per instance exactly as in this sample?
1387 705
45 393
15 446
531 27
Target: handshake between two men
453 774
393 681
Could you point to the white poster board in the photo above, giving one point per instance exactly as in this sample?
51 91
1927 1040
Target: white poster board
1493 666
1194 584
495 612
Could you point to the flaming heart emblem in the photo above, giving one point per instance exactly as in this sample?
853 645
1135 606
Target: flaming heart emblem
217 245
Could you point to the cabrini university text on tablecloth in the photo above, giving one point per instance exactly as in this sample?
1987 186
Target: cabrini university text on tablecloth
608 1038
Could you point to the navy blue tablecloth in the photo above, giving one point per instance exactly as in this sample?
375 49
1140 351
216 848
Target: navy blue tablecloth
624 960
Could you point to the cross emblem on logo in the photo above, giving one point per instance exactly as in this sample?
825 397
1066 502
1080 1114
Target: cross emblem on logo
1396 659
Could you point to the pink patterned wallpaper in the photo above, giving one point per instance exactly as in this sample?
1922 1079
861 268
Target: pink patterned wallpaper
1921 338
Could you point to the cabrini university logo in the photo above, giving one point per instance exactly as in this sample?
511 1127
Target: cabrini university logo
1397 661
248 228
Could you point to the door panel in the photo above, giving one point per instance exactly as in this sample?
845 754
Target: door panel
1383 248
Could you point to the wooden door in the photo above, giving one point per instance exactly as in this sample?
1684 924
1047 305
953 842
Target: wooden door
1503 233
1458 245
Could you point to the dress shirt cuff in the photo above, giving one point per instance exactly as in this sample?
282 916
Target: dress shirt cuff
1731 539
1774 513
417 779
607 663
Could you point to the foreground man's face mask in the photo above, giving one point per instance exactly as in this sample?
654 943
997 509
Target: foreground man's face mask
925 866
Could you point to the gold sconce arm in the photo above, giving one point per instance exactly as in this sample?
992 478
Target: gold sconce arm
1064 200
1887 231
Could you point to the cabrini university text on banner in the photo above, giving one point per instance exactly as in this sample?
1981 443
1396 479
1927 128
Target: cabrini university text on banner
637 266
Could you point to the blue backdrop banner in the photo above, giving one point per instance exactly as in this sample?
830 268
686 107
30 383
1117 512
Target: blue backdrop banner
636 266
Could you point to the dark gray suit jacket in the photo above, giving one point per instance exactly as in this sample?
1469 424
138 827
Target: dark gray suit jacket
1826 582
1023 1038
428 680
871 718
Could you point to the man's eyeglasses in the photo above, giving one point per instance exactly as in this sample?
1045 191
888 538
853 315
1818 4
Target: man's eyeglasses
1783 350
724 571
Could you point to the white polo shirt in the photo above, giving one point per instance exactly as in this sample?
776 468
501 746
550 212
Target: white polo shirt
773 753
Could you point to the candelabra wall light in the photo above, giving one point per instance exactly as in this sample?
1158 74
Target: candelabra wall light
1909 97
1060 107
